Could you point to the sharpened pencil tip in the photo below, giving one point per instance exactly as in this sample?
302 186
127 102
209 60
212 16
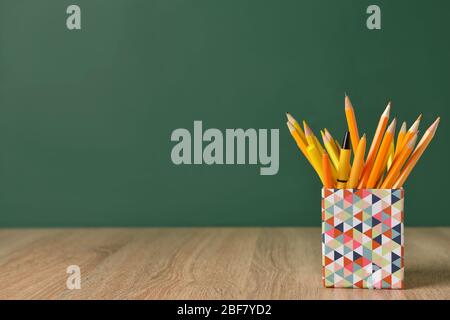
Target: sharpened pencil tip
412 142
387 110
403 127
290 126
308 131
415 125
328 135
348 103
435 124
391 127
291 119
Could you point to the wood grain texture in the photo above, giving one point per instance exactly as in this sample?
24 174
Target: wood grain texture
200 263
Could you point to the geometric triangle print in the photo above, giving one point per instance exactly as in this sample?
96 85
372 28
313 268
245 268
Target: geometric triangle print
377 239
398 239
375 267
395 268
359 227
397 228
375 199
394 198
375 222
362 238
394 257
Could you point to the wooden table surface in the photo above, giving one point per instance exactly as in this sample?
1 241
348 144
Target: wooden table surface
200 263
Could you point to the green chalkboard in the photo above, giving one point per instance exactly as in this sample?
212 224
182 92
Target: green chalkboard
86 116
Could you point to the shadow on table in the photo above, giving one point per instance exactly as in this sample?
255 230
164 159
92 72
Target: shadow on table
426 277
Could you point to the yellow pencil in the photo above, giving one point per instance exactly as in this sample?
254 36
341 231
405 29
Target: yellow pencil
382 124
296 125
391 153
351 121
332 140
409 134
337 145
380 164
308 134
384 164
331 151
358 164
420 149
300 143
394 171
380 182
319 145
311 138
316 161
401 136
327 173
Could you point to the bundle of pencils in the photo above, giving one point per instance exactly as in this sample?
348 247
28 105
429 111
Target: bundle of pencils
387 165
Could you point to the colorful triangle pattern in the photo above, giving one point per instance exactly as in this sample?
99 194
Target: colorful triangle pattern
362 238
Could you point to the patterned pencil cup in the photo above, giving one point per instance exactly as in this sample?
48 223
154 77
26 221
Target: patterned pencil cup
362 238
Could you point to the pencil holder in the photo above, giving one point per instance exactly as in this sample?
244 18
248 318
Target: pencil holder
362 238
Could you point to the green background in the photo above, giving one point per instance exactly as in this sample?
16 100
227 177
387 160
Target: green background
86 116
